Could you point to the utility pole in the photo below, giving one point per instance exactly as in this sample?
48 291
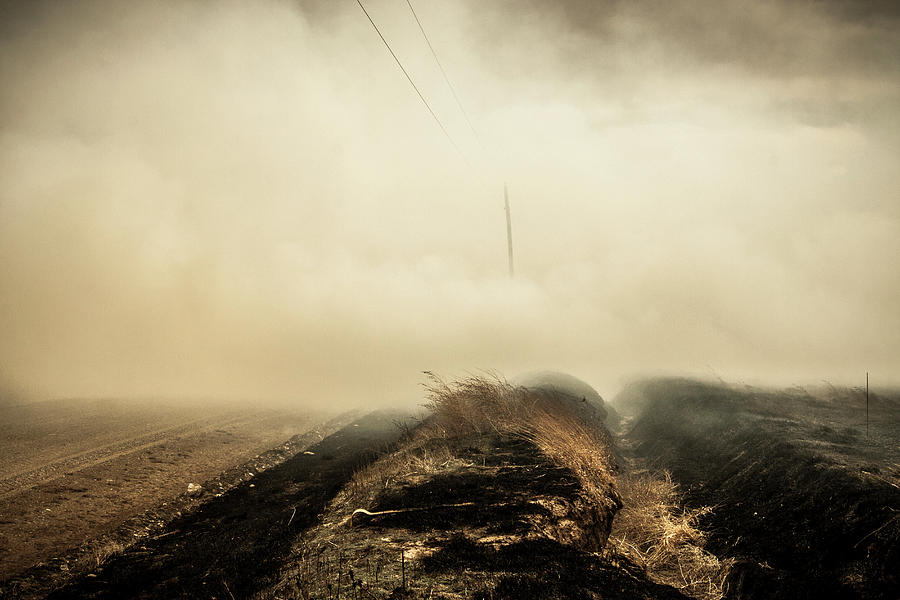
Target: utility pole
508 231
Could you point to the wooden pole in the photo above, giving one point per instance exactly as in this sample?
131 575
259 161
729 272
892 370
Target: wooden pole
509 244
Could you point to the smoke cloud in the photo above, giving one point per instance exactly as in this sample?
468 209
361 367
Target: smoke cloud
248 200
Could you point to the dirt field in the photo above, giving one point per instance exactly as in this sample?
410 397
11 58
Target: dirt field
72 470
228 545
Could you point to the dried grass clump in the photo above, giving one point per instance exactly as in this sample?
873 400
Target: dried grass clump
475 405
96 553
578 446
420 455
482 404
655 532
551 421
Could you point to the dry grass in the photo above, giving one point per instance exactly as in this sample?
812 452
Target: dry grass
421 454
579 446
569 437
96 554
650 528
477 405
654 531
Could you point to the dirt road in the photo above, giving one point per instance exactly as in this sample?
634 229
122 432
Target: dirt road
72 470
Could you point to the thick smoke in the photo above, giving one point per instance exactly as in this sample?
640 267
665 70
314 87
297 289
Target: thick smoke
248 200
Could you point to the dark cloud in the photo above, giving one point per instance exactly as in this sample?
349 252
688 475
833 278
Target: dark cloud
773 39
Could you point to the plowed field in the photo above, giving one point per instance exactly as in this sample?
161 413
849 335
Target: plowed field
72 470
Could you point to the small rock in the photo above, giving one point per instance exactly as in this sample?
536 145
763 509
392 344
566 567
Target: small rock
194 489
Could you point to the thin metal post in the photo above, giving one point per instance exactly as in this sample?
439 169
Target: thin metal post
509 243
867 404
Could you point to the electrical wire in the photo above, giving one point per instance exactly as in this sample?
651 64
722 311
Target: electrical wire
444 73
411 82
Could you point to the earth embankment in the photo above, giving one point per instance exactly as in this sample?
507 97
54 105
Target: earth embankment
804 500
503 492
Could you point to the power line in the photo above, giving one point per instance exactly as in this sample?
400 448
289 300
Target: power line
444 73
411 82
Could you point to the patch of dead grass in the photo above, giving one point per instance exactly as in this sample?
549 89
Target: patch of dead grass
650 527
569 437
484 404
657 533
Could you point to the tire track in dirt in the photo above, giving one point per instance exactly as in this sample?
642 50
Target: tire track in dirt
16 484
91 515
32 436
243 535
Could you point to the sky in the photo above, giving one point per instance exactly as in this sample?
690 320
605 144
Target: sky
248 200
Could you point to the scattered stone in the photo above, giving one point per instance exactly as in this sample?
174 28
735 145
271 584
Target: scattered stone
194 490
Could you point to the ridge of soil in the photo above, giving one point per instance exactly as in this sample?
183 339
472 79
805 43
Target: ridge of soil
493 519
803 500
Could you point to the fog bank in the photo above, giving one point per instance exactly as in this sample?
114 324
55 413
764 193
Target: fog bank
248 200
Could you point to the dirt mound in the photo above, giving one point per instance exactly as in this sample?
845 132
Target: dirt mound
804 501
487 517
503 492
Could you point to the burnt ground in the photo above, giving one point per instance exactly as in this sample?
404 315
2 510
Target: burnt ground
804 500
229 542
493 519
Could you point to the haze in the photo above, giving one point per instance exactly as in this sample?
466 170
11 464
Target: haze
248 199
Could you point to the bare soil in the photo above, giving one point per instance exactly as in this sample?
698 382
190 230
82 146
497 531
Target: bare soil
73 470
228 543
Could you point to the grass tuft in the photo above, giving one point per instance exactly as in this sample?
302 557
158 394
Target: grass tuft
564 430
655 532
